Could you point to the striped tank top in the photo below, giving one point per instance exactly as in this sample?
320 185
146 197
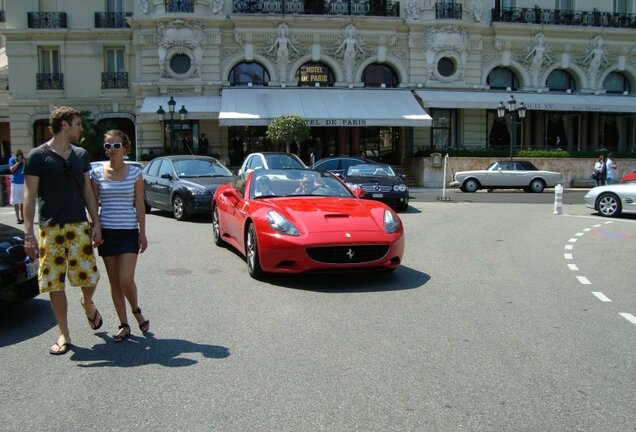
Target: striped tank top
117 199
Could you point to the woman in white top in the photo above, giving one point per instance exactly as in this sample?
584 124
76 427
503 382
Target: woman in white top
119 188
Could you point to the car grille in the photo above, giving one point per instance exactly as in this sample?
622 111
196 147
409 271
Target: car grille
376 188
347 254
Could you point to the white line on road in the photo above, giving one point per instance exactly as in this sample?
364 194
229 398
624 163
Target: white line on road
569 247
609 222
587 229
584 280
573 240
579 234
602 297
567 256
597 225
573 267
629 317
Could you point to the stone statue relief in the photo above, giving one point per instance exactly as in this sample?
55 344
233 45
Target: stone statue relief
216 6
143 6
282 44
537 55
412 9
350 47
477 10
595 59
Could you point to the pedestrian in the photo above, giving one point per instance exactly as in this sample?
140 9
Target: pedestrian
16 167
204 144
187 144
611 169
57 173
119 188
600 171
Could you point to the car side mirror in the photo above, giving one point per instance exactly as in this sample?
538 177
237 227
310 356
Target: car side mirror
166 176
231 193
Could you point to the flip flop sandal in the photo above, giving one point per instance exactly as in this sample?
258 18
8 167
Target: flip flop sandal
97 321
144 326
61 349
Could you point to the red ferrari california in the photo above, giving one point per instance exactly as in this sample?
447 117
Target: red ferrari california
298 220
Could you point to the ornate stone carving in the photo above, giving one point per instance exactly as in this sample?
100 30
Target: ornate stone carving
477 10
180 37
537 56
596 59
216 6
447 41
143 6
350 47
282 43
413 9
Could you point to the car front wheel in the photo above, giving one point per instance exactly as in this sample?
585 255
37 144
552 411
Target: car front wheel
608 205
216 228
537 185
178 208
251 253
471 185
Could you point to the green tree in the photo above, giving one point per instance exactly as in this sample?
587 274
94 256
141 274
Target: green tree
287 129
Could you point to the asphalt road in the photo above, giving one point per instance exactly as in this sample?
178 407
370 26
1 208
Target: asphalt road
498 320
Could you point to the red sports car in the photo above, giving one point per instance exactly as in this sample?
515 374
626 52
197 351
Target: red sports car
298 220
628 178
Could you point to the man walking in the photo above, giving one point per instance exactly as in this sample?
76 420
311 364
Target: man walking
57 173
204 144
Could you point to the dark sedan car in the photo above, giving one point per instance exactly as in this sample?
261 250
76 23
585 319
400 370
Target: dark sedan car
183 184
18 274
379 182
338 164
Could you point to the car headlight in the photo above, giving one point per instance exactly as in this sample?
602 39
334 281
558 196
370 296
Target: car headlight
280 224
399 187
199 190
391 223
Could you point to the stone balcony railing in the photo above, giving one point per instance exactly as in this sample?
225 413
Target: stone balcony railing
319 7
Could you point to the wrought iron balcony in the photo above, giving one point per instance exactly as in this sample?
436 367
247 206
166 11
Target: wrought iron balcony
319 7
46 19
448 11
179 6
50 81
536 15
114 80
111 19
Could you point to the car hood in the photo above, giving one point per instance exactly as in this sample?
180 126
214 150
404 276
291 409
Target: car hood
618 187
384 181
332 214
210 183
11 235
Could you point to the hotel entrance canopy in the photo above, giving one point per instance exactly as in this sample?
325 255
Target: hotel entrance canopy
322 107
532 101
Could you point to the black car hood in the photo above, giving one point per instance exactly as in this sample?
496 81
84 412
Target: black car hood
384 181
210 183
11 235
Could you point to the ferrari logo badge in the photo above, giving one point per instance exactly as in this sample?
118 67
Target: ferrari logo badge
347 235
350 254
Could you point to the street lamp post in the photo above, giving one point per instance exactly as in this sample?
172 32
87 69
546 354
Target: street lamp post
161 115
512 114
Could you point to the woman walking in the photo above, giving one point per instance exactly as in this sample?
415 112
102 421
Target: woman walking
120 191
600 171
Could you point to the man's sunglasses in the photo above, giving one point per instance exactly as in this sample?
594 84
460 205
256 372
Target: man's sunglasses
116 146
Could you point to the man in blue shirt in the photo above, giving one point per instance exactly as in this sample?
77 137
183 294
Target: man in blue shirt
16 166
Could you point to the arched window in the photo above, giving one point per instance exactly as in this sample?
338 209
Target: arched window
616 83
560 81
245 73
377 74
310 74
501 78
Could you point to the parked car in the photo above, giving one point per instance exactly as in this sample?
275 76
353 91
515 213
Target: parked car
379 182
96 164
627 178
291 229
183 184
270 160
507 175
338 164
18 273
612 200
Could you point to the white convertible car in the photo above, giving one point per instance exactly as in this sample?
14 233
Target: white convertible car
507 175
611 200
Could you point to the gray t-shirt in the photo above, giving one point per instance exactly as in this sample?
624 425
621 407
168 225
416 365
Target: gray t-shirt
61 184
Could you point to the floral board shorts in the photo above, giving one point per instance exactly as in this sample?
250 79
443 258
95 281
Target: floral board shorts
66 250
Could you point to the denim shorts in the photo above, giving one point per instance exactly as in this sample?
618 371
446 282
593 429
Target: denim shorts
119 242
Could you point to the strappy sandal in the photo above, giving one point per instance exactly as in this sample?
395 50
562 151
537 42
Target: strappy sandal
122 337
144 326
97 321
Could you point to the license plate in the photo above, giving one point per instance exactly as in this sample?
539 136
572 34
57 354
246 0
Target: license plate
377 195
32 268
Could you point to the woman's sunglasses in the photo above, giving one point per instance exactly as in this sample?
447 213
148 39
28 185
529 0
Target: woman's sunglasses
116 146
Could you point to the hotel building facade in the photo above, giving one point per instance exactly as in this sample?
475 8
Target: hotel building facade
369 76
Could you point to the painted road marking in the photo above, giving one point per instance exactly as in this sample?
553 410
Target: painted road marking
568 256
602 297
569 247
597 225
629 317
572 240
573 267
579 234
584 280
587 229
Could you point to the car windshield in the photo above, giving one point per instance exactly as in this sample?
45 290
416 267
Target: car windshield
295 182
370 170
278 161
200 168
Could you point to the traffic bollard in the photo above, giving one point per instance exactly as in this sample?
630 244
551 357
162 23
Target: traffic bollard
558 199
